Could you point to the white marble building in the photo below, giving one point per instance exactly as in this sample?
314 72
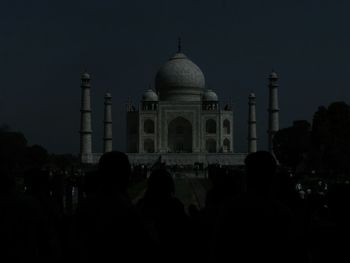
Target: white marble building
180 122
180 116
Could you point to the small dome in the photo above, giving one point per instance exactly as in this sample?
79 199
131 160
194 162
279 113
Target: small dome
85 75
179 79
210 95
273 75
149 95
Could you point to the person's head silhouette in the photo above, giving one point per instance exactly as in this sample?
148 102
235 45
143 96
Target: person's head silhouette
160 184
260 170
115 170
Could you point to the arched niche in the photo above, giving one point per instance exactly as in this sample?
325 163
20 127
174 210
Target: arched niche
180 135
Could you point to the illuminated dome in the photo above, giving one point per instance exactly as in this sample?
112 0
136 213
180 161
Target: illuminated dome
149 95
85 75
210 95
179 79
273 75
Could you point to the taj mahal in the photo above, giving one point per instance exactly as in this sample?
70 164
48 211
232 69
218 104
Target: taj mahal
180 122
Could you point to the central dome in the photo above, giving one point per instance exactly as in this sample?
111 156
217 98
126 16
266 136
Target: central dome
179 79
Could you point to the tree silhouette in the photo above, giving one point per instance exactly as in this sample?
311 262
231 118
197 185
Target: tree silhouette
330 137
292 144
12 148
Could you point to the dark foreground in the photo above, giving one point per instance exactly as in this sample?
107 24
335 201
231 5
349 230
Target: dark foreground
228 216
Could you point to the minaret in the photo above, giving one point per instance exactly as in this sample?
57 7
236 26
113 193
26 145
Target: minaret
85 120
252 138
107 138
273 109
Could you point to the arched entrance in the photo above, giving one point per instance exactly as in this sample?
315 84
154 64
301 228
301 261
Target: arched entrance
148 126
227 145
180 135
226 127
210 146
148 146
210 126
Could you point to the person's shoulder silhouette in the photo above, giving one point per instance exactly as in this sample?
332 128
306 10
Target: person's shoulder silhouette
25 235
257 226
166 214
115 170
160 184
114 229
159 197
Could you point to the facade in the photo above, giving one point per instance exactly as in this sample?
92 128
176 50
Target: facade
179 122
180 117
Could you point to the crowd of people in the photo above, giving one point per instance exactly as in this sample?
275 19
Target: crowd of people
258 215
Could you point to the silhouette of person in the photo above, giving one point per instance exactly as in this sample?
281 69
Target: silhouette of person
254 226
166 214
24 231
225 184
109 227
328 239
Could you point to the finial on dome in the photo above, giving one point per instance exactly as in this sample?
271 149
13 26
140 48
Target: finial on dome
85 74
179 45
273 74
108 93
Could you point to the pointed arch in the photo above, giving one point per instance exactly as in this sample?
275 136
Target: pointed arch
227 126
148 126
210 126
180 135
227 145
210 145
148 146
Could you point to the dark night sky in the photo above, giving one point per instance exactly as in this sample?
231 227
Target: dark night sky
45 45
